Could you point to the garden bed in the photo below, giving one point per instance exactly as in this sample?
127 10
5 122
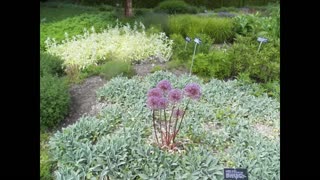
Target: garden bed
218 132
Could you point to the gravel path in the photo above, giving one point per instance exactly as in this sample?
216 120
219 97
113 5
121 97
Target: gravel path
83 100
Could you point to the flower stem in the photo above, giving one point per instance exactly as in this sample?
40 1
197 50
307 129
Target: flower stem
184 112
154 126
174 129
165 119
170 122
160 127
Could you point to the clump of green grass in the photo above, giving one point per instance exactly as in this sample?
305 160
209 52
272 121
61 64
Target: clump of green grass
114 68
220 29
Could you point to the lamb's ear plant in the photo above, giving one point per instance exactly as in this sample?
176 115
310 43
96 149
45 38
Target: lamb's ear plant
222 129
166 106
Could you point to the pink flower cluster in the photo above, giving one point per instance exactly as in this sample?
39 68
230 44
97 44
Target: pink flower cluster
193 91
159 97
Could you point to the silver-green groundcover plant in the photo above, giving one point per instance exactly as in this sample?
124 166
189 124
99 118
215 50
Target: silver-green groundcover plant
217 131
162 98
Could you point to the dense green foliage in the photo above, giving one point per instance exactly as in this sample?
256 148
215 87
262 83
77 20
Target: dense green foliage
50 65
257 25
242 57
114 68
220 29
55 11
74 26
54 95
182 52
156 20
54 101
215 64
175 7
262 66
46 166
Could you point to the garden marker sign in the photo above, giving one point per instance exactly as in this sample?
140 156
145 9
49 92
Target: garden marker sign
261 40
235 174
187 41
197 41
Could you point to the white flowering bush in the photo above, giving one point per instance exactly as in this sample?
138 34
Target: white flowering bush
219 132
120 43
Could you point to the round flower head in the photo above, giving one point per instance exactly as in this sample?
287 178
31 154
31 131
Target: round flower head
164 85
155 92
175 95
192 90
178 113
162 103
153 102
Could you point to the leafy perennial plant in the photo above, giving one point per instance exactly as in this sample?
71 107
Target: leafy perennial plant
120 43
163 97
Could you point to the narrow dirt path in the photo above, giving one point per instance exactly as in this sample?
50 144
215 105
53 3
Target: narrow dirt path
83 99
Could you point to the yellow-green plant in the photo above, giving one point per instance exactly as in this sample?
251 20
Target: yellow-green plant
119 43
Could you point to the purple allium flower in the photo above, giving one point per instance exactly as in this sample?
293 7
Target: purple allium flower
164 85
178 113
155 92
163 103
156 103
153 102
175 95
192 90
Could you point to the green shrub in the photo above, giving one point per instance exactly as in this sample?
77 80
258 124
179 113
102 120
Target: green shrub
46 166
275 21
220 29
115 68
141 11
262 66
272 89
175 7
244 77
215 64
50 65
156 19
54 100
73 26
255 25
